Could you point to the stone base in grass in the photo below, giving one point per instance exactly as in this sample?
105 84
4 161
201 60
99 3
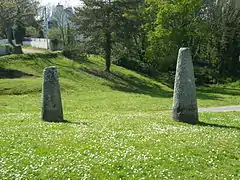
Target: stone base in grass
187 115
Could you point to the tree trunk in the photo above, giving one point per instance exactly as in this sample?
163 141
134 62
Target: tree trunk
10 35
108 50
63 36
5 34
68 34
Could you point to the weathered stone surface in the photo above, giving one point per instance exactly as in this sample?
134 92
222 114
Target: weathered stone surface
184 100
51 96
17 50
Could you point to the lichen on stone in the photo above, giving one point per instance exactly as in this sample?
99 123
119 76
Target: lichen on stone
184 99
51 96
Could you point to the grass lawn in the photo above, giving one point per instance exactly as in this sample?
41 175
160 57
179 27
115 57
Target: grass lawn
118 126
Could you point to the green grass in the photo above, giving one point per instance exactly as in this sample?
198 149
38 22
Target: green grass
118 126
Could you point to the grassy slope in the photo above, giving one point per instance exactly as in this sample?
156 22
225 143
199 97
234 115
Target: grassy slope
118 126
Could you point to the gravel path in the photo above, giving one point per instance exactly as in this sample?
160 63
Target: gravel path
220 109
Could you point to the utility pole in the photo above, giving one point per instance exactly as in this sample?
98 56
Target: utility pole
46 25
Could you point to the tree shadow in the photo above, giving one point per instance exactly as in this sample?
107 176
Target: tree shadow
220 90
206 96
129 83
132 84
76 123
11 74
209 92
214 93
82 59
217 125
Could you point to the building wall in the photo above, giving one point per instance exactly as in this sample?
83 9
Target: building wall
236 2
4 50
38 42
34 42
3 41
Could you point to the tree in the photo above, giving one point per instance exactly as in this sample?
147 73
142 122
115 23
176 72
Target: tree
131 40
148 33
114 26
171 25
32 32
61 20
55 35
10 11
98 22
224 34
19 31
210 29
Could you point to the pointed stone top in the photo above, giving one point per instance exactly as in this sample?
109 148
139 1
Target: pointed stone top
50 74
184 99
50 67
184 49
184 55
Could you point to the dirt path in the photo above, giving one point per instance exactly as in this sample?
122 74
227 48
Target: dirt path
220 109
32 51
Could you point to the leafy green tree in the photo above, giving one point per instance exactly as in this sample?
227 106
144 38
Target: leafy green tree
114 26
98 22
223 39
130 41
61 19
19 31
55 35
12 10
32 32
171 25
149 33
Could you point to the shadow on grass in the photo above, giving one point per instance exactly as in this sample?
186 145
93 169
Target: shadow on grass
214 93
220 90
217 125
206 96
133 84
81 59
75 123
129 83
68 122
11 74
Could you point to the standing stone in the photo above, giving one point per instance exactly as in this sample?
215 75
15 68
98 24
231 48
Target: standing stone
51 96
184 99
17 49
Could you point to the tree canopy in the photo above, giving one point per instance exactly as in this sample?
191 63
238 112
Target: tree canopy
15 11
145 35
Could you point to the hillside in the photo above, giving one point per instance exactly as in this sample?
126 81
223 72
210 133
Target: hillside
118 125
84 79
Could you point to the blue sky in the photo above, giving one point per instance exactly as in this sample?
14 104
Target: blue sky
63 2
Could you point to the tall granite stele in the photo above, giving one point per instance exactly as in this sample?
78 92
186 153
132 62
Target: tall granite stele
184 99
51 96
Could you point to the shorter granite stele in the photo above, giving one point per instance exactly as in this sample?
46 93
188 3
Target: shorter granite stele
51 96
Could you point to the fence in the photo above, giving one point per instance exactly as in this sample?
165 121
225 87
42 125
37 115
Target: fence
38 42
4 50
34 42
3 41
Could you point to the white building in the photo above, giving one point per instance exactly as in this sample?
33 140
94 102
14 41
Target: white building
61 16
235 2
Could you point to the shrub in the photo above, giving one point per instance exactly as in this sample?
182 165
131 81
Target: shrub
73 52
